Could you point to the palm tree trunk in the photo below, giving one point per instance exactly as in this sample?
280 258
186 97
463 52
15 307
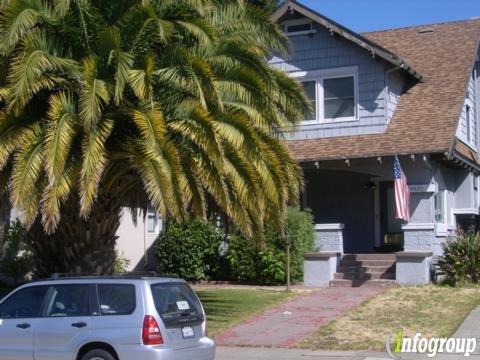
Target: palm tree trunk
79 246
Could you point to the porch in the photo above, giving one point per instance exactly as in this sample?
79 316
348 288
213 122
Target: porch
358 238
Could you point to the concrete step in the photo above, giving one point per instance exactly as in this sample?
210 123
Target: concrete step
366 276
366 269
388 257
367 263
357 283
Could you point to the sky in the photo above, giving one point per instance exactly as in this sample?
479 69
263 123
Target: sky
369 15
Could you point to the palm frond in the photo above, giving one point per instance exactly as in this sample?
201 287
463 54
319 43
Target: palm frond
56 193
27 167
20 17
94 160
93 96
59 134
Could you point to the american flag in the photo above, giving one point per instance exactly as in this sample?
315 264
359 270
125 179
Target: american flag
402 193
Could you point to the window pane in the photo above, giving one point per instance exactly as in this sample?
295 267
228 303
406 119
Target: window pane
439 206
301 27
177 304
25 303
468 123
338 108
151 223
116 299
69 300
339 88
310 88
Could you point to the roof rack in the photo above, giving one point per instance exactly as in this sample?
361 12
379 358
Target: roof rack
126 274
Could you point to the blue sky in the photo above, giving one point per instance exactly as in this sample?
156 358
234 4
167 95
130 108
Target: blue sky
368 15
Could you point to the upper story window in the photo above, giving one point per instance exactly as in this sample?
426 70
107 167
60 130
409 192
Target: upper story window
153 221
332 93
339 98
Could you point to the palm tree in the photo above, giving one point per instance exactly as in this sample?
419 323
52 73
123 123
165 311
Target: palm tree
112 104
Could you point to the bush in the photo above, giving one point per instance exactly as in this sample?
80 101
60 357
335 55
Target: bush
460 263
17 261
189 250
121 262
266 264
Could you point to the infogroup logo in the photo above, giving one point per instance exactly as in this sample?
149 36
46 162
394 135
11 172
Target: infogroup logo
397 344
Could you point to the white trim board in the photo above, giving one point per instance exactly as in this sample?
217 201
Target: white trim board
329 226
419 226
466 211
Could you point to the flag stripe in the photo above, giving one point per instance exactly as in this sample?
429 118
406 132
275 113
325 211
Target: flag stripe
402 193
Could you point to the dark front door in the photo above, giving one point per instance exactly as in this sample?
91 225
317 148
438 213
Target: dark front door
391 232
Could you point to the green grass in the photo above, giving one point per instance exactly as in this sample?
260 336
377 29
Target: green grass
227 307
431 310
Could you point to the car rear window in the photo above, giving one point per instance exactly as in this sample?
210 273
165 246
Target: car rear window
116 299
177 304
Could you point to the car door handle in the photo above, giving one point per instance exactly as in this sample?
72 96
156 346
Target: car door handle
79 324
23 326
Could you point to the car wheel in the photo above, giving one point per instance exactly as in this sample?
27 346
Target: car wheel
98 355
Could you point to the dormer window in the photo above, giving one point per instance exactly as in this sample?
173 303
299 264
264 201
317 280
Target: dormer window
332 93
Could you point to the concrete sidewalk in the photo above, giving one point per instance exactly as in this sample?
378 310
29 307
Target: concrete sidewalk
292 321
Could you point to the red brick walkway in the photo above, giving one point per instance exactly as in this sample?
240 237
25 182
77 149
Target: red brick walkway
295 319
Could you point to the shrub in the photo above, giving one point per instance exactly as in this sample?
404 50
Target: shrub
460 263
189 250
17 261
121 262
265 264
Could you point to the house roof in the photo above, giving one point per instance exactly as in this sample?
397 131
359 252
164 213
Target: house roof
427 115
292 6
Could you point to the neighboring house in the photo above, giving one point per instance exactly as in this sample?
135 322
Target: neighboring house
412 92
136 239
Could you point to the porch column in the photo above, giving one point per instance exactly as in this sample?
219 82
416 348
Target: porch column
414 263
329 237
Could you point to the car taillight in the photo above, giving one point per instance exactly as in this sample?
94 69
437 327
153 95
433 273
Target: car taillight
151 334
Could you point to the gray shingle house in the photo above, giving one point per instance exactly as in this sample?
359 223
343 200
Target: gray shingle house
411 92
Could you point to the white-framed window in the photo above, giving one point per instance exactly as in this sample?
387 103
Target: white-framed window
153 221
440 206
475 191
468 122
333 94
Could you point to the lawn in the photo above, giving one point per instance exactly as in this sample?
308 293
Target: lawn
227 307
430 310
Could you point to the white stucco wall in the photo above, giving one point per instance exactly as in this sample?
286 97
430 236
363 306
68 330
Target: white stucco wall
135 242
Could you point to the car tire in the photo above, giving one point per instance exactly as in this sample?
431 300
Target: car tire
98 354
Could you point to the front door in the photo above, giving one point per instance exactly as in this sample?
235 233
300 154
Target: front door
391 232
19 314
65 324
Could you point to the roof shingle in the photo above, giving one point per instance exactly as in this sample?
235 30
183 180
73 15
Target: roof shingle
427 115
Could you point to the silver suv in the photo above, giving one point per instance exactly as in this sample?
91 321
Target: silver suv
104 318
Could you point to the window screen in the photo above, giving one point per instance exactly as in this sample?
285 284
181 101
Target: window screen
339 97
116 299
